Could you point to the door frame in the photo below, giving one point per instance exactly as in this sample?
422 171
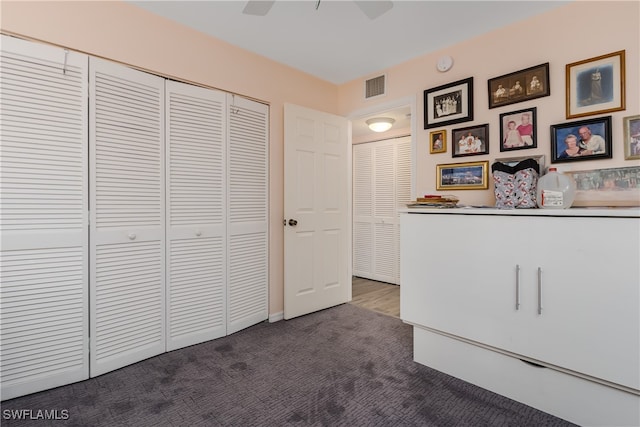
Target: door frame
409 101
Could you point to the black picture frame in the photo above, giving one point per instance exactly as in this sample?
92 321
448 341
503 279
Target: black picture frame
523 85
524 132
448 104
564 134
470 141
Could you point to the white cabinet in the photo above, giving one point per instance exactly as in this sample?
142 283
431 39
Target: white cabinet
558 290
381 186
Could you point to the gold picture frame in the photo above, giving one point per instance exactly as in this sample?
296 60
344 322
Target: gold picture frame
438 141
595 85
463 176
631 134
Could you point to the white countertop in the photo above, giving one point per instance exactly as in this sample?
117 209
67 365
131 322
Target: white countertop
622 212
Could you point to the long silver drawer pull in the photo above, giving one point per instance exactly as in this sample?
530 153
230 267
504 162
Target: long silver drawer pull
539 290
517 287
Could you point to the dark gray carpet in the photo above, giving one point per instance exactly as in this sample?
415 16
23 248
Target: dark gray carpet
345 366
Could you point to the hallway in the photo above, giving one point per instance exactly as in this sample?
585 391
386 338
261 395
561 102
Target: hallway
377 296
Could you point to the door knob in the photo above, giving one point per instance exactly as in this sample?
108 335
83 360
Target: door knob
293 222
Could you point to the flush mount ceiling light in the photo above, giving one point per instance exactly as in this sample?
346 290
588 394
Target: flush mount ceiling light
380 124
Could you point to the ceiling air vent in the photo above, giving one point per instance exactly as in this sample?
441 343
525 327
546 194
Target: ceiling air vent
374 87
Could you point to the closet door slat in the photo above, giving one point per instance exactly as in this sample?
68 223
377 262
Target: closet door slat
196 227
127 291
248 212
43 220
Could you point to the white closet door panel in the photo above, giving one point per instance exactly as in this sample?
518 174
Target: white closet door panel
383 180
362 180
403 173
196 230
362 249
362 210
127 289
248 213
385 248
403 191
43 220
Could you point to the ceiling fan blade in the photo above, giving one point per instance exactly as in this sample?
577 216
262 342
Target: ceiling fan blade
374 9
257 7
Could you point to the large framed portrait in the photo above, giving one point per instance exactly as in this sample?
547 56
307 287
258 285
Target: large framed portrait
582 140
449 104
631 137
596 85
470 141
518 130
463 176
523 85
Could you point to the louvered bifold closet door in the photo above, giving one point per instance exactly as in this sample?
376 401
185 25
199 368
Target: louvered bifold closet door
362 210
196 218
43 220
127 290
384 212
248 212
403 190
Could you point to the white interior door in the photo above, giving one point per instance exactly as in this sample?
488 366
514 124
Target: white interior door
317 209
127 288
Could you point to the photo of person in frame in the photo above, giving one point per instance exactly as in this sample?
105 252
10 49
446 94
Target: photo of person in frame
595 85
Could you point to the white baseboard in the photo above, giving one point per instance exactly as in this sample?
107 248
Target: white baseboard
275 317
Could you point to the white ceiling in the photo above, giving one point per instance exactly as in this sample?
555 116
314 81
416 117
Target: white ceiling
338 42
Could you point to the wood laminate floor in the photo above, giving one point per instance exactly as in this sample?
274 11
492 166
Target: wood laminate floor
377 296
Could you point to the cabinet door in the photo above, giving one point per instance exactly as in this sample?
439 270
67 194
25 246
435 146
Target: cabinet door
459 275
127 291
43 220
247 212
196 217
590 281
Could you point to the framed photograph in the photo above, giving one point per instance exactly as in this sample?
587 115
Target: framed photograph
463 176
523 85
518 130
631 137
582 140
438 141
607 187
596 85
470 141
448 104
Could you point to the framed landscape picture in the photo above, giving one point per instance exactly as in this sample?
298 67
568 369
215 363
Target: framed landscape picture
596 85
463 176
448 104
519 86
582 140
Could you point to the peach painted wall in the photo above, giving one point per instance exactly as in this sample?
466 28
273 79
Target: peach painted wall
124 33
570 33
